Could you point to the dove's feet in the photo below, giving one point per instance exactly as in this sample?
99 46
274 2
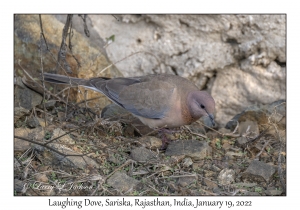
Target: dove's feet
163 134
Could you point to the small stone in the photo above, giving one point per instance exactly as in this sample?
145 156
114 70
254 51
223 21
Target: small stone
217 190
187 162
273 192
33 122
37 134
242 140
122 182
42 122
19 144
277 111
151 142
198 165
142 154
41 178
194 149
66 139
226 176
174 160
259 171
210 184
186 180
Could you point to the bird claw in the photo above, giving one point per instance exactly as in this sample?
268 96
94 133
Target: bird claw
164 138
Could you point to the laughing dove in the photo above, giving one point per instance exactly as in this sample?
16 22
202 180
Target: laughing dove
159 100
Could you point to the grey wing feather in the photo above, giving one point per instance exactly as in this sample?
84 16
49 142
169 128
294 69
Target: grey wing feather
148 99
111 88
143 96
116 86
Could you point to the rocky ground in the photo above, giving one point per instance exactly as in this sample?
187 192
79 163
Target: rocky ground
71 151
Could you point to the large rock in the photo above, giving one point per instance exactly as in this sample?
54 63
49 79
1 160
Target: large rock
142 154
240 59
181 42
259 171
235 89
258 115
26 50
197 150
